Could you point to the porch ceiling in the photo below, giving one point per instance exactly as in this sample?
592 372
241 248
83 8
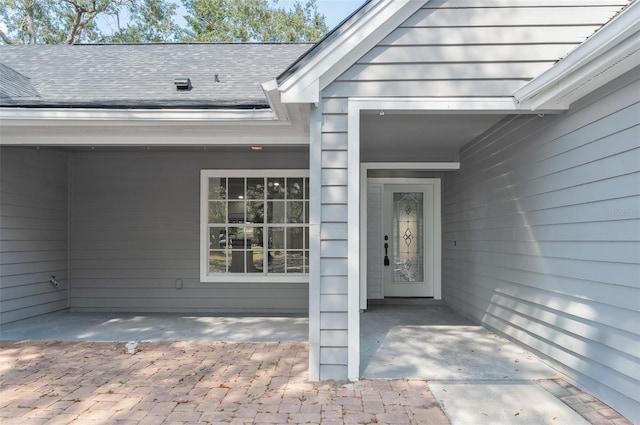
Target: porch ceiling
410 136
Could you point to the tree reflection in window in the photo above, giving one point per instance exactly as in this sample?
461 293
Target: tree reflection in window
258 225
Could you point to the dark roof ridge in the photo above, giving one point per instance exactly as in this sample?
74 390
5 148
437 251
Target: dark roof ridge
312 51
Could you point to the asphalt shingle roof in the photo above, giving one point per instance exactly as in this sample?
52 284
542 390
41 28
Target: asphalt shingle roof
141 74
14 85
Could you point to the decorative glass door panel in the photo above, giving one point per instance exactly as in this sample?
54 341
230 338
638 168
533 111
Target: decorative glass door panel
407 245
408 237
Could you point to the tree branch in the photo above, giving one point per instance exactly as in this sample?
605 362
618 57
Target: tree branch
31 29
73 30
4 37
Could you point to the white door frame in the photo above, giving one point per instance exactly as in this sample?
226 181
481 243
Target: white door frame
437 224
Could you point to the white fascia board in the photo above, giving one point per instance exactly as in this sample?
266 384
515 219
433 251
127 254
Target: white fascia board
609 53
480 105
303 94
76 127
170 139
270 89
136 115
339 54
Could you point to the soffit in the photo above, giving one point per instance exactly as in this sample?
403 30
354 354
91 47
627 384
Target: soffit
403 137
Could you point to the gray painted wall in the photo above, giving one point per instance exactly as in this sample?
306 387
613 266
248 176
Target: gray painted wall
449 48
542 239
135 231
33 232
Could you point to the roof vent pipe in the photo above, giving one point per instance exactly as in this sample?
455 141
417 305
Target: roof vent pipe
182 83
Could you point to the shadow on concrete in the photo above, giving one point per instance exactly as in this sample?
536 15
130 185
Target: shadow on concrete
104 327
433 342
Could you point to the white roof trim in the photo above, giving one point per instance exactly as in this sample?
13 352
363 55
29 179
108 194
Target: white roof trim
270 89
609 53
489 105
356 37
137 115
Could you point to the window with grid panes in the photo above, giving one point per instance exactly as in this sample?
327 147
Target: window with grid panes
256 224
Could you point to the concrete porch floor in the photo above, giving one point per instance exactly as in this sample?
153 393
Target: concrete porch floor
155 327
475 376
435 343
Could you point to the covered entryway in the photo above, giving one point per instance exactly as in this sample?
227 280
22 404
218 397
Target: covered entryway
404 157
404 150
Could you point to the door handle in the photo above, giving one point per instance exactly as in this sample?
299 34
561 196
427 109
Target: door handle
386 248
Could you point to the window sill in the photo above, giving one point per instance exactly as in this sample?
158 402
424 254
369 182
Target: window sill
246 278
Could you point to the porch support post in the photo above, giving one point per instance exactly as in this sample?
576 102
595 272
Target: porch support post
353 245
315 204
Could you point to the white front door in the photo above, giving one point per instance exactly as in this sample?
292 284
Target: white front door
408 240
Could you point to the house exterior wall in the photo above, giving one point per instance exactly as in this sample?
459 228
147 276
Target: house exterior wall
542 238
454 48
33 232
135 230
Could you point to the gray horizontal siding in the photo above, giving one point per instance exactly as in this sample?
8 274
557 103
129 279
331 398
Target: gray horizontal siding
522 13
542 238
135 230
333 241
454 48
33 232
463 48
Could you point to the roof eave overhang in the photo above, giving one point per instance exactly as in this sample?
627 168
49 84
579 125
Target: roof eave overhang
135 115
609 53
150 127
335 55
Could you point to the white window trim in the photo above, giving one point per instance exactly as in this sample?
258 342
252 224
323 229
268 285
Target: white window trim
204 228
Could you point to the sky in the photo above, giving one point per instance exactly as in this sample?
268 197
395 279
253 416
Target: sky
333 10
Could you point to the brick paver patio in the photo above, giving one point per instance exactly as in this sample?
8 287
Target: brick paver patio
95 383
192 383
